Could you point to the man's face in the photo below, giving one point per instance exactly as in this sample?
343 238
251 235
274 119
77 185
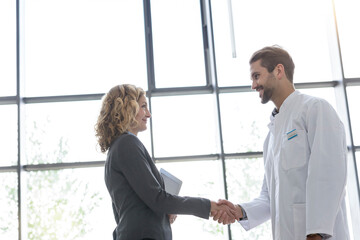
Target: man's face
262 81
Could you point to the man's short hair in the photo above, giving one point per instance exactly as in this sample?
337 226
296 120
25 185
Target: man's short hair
272 56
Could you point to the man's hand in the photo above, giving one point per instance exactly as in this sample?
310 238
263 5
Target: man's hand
226 213
224 218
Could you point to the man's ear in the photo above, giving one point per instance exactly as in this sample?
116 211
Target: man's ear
279 71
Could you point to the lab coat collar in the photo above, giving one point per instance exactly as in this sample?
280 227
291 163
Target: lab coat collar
288 101
283 108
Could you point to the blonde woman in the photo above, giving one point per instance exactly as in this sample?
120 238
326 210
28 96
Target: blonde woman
141 206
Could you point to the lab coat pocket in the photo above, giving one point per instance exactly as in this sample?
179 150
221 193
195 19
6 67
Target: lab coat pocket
299 213
293 149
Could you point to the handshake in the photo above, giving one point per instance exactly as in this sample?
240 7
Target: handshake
225 212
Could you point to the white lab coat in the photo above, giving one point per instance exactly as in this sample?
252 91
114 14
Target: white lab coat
305 172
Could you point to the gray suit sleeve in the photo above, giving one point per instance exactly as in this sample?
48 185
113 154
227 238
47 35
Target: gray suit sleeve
134 163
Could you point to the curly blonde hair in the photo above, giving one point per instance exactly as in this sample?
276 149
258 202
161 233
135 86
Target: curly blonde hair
118 111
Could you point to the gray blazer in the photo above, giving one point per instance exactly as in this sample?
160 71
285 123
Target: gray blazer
139 201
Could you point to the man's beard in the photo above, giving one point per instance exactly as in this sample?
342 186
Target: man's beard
268 92
266 95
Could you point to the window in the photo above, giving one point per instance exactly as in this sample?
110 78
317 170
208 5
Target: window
77 47
325 93
242 114
178 49
8 48
358 164
255 27
68 204
8 136
348 17
8 199
354 99
184 125
245 178
62 132
198 181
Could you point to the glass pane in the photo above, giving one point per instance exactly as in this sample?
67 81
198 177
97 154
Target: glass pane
62 132
8 47
69 204
244 181
326 93
348 213
357 156
99 44
8 136
178 43
305 38
347 12
184 125
9 209
354 100
206 184
244 121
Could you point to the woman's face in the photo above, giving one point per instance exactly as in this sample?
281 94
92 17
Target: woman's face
141 117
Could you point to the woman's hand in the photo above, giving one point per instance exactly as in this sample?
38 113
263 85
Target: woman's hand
172 218
223 213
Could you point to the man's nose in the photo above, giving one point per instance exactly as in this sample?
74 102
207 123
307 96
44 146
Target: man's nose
253 85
